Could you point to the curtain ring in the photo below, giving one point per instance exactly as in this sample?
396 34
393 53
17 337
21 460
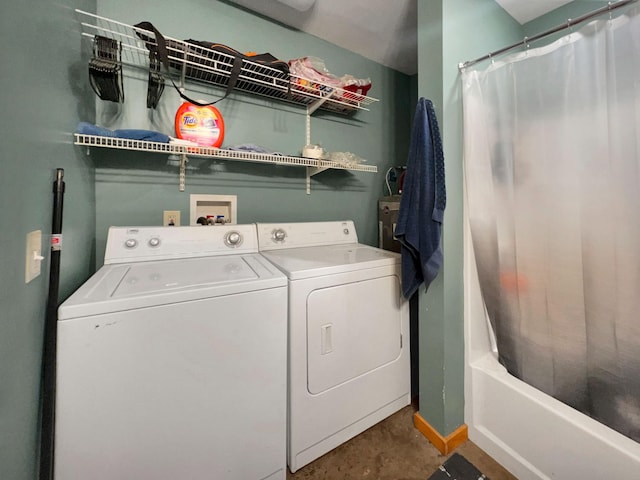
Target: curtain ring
524 43
491 58
570 25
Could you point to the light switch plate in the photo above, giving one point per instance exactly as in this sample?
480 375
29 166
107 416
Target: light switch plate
33 258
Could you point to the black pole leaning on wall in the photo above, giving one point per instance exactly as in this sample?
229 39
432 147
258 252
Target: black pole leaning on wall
48 381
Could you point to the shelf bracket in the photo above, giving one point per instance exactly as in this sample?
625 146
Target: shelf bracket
311 171
318 103
183 170
312 108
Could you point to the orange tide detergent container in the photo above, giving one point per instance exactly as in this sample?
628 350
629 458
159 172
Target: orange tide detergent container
201 125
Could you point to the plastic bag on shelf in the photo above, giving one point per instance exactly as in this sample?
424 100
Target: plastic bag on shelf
346 159
312 74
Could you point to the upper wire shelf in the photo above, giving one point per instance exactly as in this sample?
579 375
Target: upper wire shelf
195 63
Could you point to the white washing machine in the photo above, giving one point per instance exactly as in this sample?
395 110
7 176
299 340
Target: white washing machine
348 334
172 360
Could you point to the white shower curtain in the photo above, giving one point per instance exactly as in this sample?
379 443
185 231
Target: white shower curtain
552 168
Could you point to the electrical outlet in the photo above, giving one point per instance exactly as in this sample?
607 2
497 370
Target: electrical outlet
171 218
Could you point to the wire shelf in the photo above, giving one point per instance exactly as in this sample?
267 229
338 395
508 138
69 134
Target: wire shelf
202 65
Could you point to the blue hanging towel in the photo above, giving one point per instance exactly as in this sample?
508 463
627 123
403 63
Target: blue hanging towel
422 204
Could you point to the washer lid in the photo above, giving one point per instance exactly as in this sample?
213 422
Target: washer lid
157 277
306 262
143 284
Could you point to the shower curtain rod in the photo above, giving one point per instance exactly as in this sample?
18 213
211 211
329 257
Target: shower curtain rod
570 22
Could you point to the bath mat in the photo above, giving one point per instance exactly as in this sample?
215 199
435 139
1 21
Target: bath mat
457 468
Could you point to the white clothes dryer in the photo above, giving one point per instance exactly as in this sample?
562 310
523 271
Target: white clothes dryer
349 365
172 360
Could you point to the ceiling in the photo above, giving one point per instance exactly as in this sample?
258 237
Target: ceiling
382 30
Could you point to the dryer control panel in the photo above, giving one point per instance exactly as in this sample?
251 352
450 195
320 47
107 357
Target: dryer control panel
272 236
139 244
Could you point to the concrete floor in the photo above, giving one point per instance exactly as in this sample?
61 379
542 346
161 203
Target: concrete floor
392 450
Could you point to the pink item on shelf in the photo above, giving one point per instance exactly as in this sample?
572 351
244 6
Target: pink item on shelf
313 75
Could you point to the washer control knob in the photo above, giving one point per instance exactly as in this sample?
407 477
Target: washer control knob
233 239
154 242
131 243
279 235
345 231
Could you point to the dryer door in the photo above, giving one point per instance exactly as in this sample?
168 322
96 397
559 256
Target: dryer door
352 329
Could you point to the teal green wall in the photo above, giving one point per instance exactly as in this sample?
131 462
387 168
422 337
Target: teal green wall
450 32
134 188
43 95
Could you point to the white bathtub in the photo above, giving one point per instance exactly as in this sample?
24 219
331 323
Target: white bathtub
530 433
